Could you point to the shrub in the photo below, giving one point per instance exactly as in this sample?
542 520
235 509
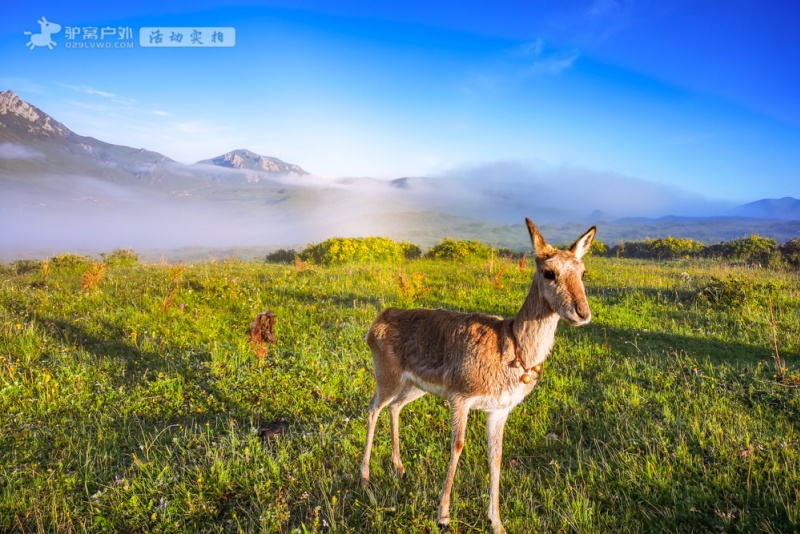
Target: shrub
281 256
340 250
93 275
411 251
666 248
753 249
791 252
598 248
734 291
450 249
671 248
461 250
25 266
70 263
121 257
731 291
504 252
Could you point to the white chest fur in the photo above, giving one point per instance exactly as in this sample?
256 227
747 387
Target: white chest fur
506 400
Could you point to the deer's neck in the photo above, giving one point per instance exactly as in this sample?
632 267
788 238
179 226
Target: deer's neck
535 328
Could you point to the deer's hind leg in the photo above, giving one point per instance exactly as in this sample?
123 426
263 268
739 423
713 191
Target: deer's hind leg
409 394
389 386
375 406
459 416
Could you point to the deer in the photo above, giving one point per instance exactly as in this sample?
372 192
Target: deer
475 361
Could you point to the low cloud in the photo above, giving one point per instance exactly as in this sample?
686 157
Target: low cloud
209 206
509 191
16 151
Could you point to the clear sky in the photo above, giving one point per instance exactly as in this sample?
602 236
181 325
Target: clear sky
703 96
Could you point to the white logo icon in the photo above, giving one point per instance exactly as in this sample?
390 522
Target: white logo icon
43 38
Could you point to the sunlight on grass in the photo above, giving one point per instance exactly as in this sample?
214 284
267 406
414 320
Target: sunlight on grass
131 400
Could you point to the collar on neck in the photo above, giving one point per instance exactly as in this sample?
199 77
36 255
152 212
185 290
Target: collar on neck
526 371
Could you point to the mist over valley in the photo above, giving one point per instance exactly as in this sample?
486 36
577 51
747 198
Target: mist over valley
62 192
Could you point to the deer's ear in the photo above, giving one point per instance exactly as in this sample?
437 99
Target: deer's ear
581 246
540 246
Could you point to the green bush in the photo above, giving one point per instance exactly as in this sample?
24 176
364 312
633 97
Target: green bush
630 249
666 248
505 252
734 291
121 257
340 250
671 248
411 251
281 256
731 291
70 263
791 252
25 266
598 248
753 249
460 250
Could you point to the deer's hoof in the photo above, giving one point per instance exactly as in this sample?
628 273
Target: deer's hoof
444 527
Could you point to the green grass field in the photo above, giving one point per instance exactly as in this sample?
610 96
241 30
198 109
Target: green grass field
137 404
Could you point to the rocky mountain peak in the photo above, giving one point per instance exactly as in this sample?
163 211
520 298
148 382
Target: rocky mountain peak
249 160
17 114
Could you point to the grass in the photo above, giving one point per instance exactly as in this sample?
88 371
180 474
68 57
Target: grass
132 400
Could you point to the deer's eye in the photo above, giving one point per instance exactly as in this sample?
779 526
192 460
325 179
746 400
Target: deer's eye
549 275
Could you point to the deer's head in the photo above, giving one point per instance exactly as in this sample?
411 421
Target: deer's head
559 275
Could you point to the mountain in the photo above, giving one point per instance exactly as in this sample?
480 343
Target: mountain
32 143
18 120
60 191
598 217
34 147
786 208
247 160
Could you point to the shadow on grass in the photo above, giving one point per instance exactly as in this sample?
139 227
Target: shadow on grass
715 490
129 367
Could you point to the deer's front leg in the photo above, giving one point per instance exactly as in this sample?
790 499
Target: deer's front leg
495 424
460 415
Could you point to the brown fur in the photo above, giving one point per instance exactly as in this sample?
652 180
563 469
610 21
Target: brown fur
470 360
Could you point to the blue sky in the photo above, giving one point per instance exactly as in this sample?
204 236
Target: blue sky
695 95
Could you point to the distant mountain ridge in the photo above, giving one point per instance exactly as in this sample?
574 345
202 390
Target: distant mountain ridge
21 118
248 160
63 151
56 184
786 208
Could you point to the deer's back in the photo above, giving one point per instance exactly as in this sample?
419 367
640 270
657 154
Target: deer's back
454 351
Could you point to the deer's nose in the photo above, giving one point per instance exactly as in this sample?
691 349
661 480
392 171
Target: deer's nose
582 309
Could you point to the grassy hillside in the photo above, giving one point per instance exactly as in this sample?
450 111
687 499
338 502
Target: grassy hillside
132 400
